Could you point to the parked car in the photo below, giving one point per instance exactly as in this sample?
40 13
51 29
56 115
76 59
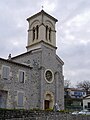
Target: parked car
75 113
84 112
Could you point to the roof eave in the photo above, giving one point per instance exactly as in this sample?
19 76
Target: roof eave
42 12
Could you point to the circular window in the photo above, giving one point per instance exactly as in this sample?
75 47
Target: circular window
49 76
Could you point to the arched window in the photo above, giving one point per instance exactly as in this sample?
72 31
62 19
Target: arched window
37 31
33 33
50 34
46 32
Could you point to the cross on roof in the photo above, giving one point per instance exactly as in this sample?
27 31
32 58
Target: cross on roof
42 7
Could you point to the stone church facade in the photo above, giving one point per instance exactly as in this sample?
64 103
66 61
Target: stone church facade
34 79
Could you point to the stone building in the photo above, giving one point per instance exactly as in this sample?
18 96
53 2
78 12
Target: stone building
34 79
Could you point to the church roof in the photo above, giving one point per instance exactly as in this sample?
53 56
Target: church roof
13 62
25 53
42 12
59 59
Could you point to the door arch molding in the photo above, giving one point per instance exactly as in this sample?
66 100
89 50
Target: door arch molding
48 100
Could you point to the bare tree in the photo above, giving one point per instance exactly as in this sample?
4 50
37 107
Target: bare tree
85 85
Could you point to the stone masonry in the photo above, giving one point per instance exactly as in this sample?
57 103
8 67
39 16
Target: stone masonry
39 115
34 79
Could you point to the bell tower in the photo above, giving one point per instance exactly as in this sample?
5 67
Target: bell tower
41 29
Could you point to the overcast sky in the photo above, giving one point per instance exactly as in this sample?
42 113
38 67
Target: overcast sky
73 31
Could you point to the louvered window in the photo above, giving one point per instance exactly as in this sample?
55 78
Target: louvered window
46 32
33 33
37 31
50 34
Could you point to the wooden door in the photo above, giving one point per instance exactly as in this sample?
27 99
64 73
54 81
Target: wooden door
47 102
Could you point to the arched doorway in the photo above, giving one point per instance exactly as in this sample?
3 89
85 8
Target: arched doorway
49 100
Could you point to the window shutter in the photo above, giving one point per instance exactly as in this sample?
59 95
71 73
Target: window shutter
20 99
5 73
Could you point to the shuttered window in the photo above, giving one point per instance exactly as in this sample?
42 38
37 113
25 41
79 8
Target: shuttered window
21 76
20 99
5 72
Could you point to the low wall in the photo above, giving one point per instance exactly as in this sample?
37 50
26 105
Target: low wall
39 115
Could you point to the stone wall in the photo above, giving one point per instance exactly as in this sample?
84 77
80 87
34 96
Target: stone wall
39 115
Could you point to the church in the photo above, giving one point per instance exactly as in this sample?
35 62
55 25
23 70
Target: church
34 79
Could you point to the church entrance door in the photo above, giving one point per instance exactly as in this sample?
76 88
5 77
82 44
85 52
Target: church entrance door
48 100
47 104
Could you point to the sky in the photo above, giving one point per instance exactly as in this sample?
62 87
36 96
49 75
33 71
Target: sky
73 32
